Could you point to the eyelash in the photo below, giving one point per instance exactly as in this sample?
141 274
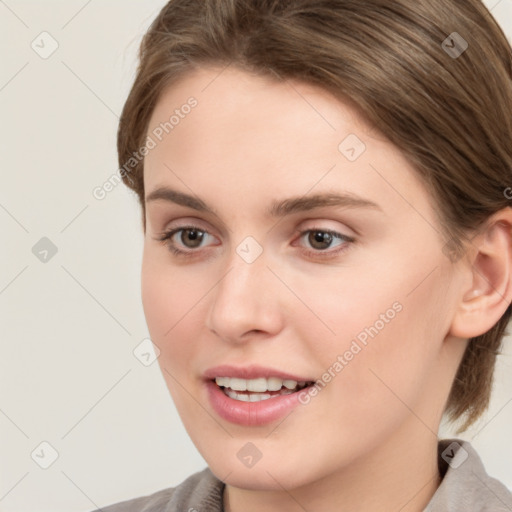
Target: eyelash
166 239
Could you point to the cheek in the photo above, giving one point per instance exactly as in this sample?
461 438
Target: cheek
169 302
389 323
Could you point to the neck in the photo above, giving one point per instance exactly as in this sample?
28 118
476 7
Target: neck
399 475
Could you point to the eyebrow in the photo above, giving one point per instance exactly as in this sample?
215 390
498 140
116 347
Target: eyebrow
279 208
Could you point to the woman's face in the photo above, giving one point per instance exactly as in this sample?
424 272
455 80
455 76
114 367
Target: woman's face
308 251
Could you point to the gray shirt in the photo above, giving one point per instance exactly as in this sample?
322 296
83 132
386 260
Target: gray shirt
465 487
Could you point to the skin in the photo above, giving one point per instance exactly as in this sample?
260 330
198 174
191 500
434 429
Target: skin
368 440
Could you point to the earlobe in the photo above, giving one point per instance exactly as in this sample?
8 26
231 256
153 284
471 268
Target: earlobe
487 297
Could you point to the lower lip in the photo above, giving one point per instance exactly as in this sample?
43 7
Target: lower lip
251 413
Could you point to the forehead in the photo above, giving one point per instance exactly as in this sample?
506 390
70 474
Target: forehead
230 94
263 137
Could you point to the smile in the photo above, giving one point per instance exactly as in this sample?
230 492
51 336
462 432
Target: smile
256 390
253 395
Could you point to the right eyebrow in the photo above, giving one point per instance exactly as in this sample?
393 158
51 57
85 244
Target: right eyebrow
174 196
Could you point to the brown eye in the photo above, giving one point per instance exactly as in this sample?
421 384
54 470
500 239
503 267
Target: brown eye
194 236
320 239
320 242
185 240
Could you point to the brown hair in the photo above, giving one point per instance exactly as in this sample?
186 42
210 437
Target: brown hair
447 107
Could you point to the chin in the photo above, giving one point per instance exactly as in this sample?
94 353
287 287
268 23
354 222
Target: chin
259 480
262 477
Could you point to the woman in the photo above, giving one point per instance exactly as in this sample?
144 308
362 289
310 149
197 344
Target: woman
327 255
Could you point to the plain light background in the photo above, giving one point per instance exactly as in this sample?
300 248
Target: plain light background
69 325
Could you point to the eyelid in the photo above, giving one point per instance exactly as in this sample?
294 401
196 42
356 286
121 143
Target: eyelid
323 224
347 242
169 233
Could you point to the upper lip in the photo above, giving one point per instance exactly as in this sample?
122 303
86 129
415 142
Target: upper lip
251 372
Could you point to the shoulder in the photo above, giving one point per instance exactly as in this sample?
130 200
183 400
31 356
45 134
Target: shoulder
201 491
466 485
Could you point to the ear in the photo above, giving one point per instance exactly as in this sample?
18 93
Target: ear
484 301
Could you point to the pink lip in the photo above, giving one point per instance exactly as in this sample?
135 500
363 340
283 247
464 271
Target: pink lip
250 413
251 372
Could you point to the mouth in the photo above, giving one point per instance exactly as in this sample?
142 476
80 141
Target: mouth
258 389
253 395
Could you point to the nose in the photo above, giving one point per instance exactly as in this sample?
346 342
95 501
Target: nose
246 302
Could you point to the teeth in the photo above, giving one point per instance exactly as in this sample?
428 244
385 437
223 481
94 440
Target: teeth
274 384
253 397
290 384
237 384
259 385
245 397
222 381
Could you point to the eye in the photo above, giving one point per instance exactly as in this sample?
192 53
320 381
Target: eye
190 237
321 239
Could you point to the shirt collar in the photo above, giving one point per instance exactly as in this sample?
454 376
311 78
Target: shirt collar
465 484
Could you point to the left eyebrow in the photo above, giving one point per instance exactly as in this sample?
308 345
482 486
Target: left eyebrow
279 208
306 203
